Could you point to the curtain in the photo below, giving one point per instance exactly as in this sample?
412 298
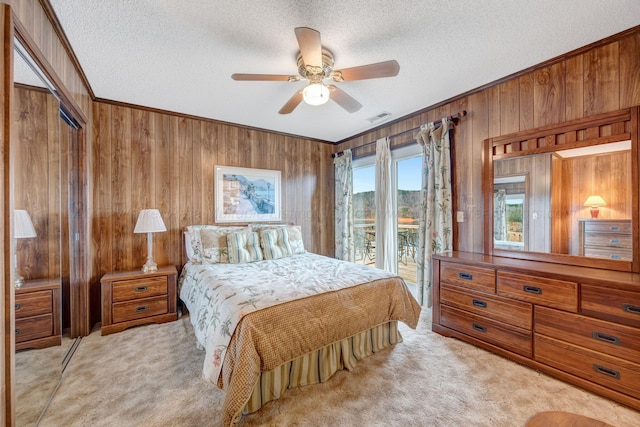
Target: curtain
500 215
386 251
436 216
344 207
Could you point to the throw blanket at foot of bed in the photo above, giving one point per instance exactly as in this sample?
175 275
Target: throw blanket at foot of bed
268 338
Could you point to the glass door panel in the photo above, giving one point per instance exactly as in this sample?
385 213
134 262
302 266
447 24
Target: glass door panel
364 214
408 181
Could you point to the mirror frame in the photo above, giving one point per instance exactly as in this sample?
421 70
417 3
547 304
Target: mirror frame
79 268
599 129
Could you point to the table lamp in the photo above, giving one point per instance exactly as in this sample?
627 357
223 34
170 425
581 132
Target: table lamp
595 202
22 229
149 221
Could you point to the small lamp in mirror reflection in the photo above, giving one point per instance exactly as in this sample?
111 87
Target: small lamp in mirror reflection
22 229
149 221
595 202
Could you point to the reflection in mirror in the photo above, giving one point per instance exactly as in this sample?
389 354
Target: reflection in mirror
575 202
37 171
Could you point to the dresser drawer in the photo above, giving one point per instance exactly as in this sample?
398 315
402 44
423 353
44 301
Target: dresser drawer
539 290
609 371
610 253
604 226
33 304
599 335
469 276
503 335
138 309
128 290
608 240
516 313
611 304
35 327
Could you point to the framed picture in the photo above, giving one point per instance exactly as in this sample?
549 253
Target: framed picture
246 195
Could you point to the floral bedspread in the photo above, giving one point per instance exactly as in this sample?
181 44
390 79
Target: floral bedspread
219 295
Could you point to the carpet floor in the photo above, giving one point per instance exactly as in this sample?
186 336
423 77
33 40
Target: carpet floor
151 376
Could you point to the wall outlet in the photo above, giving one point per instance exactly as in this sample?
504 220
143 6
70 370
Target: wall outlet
460 216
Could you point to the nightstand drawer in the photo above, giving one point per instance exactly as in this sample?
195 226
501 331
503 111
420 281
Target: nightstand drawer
610 253
611 304
128 290
599 335
34 327
607 241
33 304
539 290
516 313
604 226
609 371
139 309
500 334
480 278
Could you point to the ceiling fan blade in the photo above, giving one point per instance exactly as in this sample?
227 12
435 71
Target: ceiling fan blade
265 77
310 46
292 103
344 100
370 71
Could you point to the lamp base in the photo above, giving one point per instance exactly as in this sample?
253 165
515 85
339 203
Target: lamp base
594 212
19 281
149 266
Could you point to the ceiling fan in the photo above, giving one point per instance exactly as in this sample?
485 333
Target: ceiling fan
315 64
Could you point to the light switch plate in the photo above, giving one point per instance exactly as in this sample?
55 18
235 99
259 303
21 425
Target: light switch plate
460 216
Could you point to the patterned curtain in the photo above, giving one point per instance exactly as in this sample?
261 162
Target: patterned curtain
436 216
386 251
344 207
500 215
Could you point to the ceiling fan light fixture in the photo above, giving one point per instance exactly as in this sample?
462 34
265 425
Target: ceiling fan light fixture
315 94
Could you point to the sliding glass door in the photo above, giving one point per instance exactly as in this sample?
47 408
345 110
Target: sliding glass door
364 212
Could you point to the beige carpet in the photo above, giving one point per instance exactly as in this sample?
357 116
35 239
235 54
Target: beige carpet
151 376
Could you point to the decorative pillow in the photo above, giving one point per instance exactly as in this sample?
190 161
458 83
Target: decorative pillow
295 234
275 243
208 243
244 247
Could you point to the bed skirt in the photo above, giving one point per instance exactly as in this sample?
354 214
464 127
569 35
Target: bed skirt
319 365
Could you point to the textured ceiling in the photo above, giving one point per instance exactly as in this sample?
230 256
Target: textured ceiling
179 55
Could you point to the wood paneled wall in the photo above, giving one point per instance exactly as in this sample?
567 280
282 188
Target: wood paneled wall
146 159
38 187
603 78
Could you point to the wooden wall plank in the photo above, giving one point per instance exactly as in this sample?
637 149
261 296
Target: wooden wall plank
549 95
509 107
123 216
630 71
601 80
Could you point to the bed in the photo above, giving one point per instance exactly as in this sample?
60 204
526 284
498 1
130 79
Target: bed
292 319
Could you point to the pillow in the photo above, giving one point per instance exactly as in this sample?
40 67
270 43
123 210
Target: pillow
295 234
208 243
244 246
275 243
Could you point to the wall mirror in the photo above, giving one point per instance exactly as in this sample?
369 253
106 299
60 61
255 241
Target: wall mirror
42 141
565 194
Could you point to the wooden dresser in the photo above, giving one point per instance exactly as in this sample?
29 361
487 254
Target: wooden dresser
37 310
132 298
606 238
578 324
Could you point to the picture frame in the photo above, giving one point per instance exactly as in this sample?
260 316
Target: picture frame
247 194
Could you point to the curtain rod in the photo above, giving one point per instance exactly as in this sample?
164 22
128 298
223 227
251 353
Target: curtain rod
436 123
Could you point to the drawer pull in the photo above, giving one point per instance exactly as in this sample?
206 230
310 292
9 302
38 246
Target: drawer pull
630 308
532 289
611 339
465 276
479 303
478 327
18 306
142 308
615 256
614 241
140 288
614 228
606 371
17 331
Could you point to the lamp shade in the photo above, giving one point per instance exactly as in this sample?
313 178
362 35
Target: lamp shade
595 201
315 94
23 227
149 221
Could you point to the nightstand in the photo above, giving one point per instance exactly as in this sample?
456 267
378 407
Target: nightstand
132 298
37 310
